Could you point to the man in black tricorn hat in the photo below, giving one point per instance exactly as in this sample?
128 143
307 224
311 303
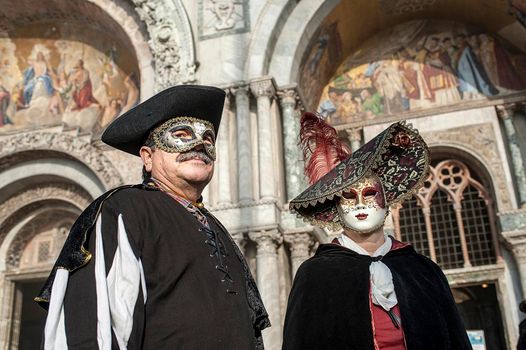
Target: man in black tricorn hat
366 290
147 266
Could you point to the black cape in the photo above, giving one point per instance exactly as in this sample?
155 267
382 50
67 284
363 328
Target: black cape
191 300
328 305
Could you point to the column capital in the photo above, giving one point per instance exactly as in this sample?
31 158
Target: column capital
240 89
300 243
516 242
263 87
288 97
506 111
267 241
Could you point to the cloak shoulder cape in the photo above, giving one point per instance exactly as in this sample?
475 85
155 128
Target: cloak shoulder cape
329 306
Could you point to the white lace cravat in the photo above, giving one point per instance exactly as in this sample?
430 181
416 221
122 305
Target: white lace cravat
382 288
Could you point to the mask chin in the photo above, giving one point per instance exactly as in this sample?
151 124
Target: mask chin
375 219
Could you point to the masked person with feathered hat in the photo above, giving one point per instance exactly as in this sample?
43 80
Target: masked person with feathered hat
366 290
147 266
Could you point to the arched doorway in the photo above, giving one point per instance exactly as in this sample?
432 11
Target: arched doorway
36 213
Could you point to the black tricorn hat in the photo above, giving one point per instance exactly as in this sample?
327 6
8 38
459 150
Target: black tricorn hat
129 131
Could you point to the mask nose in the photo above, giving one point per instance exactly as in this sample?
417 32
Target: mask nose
360 204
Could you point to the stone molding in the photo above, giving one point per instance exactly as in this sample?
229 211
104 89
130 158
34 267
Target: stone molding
31 199
475 274
171 41
77 147
267 241
475 140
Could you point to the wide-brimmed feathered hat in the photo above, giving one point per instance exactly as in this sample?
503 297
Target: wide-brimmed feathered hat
398 156
129 131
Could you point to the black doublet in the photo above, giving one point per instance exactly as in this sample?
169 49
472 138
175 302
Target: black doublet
200 294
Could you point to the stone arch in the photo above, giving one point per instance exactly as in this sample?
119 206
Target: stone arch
296 34
171 41
275 16
77 147
124 15
20 209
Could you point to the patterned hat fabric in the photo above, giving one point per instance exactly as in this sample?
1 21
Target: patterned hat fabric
398 156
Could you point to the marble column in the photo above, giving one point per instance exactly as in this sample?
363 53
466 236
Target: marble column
294 174
224 196
267 276
506 113
517 242
300 244
263 90
355 138
244 152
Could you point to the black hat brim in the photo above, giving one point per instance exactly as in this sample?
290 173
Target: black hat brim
129 131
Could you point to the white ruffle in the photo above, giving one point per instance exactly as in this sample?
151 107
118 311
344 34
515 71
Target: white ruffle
382 287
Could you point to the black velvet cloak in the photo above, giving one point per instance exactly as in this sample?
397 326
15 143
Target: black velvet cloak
329 307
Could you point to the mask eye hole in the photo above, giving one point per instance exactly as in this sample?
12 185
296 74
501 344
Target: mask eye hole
182 132
208 138
349 195
369 193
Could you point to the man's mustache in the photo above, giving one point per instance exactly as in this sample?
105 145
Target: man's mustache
193 155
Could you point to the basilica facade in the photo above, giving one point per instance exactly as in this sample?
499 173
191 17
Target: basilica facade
455 70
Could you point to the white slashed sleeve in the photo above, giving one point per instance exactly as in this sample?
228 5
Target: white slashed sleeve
124 280
54 330
102 301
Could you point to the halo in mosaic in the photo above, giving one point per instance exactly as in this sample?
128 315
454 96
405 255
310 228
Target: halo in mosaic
398 156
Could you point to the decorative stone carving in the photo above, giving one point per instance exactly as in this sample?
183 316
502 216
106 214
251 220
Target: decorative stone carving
398 7
77 147
478 140
300 243
266 241
263 87
222 17
41 224
170 41
20 205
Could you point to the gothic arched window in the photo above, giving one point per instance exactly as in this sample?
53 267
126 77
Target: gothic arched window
450 219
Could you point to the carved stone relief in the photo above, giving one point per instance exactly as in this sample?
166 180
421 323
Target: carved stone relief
14 209
77 147
222 17
170 41
51 224
479 140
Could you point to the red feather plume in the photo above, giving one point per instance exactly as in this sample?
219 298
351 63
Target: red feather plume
322 150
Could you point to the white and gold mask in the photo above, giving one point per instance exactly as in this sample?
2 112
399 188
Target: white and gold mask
182 134
362 207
